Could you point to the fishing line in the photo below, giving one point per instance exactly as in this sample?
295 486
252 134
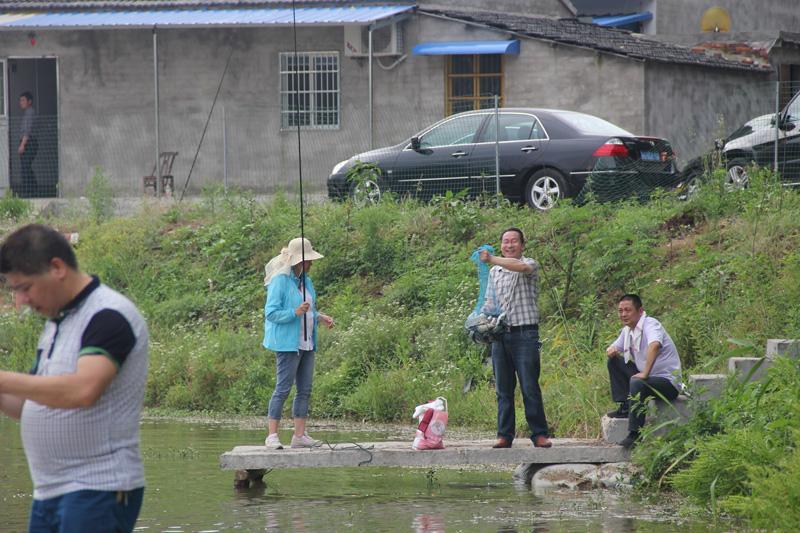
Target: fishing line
299 162
208 119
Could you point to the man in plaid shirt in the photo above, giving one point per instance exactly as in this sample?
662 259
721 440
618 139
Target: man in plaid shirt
515 355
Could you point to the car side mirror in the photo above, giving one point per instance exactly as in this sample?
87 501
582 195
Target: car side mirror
415 144
785 125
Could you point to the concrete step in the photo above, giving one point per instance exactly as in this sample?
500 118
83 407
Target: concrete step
743 366
703 387
659 412
783 348
614 429
679 410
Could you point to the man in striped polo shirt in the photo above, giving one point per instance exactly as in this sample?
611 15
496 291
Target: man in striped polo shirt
79 407
515 355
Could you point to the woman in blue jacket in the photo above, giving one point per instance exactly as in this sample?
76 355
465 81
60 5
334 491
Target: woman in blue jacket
290 330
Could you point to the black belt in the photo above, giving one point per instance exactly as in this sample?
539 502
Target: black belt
524 327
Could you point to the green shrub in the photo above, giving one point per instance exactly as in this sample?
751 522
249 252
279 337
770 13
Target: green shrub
773 502
18 338
100 196
14 208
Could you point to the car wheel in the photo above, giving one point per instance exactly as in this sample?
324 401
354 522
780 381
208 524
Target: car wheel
366 192
691 187
737 174
544 189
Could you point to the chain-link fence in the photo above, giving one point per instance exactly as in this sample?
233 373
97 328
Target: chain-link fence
532 157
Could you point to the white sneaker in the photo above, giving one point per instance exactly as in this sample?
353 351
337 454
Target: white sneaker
273 442
304 441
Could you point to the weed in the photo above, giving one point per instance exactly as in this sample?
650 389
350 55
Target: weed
13 208
100 195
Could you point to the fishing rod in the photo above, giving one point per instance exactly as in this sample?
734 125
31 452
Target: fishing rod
299 162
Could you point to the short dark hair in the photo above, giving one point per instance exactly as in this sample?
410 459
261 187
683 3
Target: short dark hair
521 236
632 298
30 249
28 95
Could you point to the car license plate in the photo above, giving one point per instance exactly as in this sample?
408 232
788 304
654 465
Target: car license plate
650 156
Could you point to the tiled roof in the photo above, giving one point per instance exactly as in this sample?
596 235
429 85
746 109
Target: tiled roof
86 5
621 42
756 53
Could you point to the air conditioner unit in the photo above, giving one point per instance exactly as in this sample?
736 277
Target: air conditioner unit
386 41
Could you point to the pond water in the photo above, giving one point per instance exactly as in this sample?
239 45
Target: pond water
186 491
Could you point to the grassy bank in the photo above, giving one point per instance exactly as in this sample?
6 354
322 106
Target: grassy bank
398 281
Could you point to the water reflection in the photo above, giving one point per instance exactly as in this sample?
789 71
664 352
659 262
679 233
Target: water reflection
186 491
428 523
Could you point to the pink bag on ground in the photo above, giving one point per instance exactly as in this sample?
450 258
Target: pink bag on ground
432 423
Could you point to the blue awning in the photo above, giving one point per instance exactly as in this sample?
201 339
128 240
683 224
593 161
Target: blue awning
455 48
623 20
182 18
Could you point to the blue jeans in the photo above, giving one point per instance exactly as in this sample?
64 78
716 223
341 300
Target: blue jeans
292 367
97 511
516 356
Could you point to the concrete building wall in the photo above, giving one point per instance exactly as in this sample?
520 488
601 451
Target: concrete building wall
675 17
691 106
577 79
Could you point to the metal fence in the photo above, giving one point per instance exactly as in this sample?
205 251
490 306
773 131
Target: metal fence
527 156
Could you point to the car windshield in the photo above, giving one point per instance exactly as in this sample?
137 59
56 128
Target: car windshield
589 125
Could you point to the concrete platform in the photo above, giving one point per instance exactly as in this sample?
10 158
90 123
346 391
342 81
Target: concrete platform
783 348
704 387
400 454
754 367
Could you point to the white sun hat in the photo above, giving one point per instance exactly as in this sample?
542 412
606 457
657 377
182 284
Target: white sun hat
293 254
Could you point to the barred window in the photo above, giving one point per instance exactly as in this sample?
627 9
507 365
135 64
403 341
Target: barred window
310 90
472 82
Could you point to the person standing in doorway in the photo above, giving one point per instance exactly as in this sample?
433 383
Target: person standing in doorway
290 330
79 406
28 144
515 355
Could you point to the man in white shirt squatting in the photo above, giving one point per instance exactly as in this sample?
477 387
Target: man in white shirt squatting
643 362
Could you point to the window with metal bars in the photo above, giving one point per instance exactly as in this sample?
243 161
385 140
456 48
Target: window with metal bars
310 90
472 82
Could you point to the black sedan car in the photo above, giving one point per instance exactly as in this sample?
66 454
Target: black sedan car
544 155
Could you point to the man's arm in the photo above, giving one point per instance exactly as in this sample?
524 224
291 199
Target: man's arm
616 347
652 353
11 405
81 389
22 144
515 265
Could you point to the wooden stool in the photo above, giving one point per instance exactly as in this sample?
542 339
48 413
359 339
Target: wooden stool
165 161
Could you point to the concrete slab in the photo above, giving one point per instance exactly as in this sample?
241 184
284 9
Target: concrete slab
783 348
614 429
703 387
743 366
400 454
663 415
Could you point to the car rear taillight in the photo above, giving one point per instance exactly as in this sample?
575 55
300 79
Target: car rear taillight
611 148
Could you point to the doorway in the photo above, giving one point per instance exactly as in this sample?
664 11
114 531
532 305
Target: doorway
34 174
